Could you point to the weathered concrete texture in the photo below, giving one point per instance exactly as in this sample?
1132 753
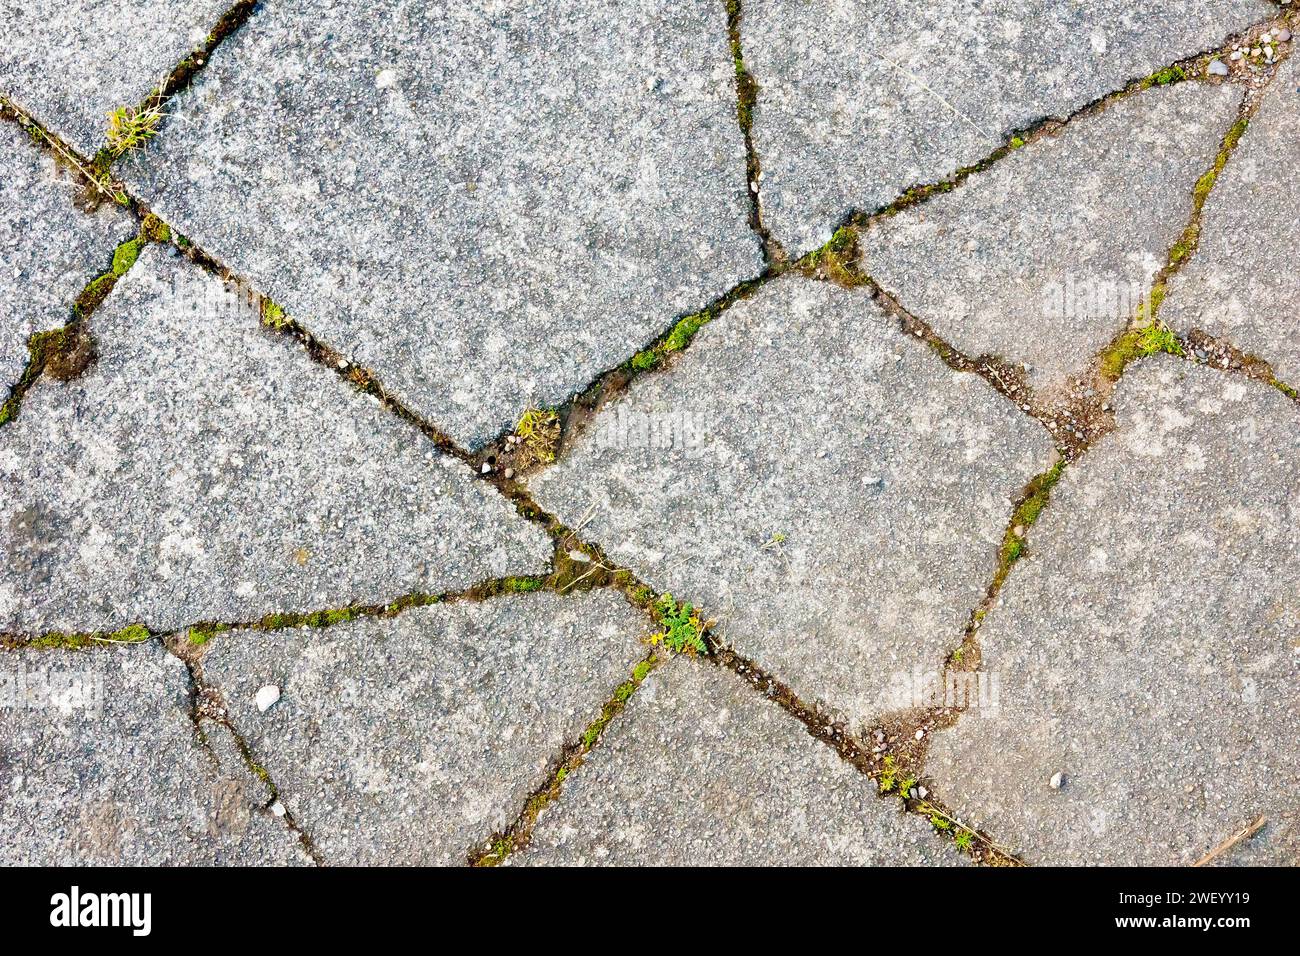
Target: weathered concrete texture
701 770
833 495
487 204
71 62
204 468
101 764
860 101
1243 283
1046 256
49 248
1147 646
410 740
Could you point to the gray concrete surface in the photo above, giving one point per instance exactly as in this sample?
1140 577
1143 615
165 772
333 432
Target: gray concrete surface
861 101
100 764
1243 285
71 62
835 495
204 468
701 771
410 740
1147 645
50 248
487 205
1045 257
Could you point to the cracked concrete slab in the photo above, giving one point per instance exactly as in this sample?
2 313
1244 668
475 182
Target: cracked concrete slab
100 764
701 771
828 490
410 740
858 101
1243 284
205 468
71 62
50 249
1046 256
487 205
1147 645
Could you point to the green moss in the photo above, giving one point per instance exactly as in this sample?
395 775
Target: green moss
1170 74
125 255
131 634
685 330
646 360
1036 496
1016 142
273 316
154 229
522 585
836 260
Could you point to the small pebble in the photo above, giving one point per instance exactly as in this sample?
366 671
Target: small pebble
1283 35
1218 68
1236 55
578 556
485 469
510 472
266 697
1057 781
920 734
277 809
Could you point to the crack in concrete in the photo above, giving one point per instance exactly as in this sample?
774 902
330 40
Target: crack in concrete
64 353
183 74
207 704
747 91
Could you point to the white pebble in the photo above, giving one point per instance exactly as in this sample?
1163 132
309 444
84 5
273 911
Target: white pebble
277 809
1218 68
1057 781
267 696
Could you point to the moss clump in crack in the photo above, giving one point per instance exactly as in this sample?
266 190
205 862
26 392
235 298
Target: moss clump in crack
1167 76
539 436
124 257
131 634
62 354
154 229
683 629
1036 496
836 260
677 339
1135 343
273 316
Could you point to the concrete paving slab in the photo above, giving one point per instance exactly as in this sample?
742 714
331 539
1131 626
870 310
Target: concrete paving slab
1045 257
701 771
486 204
823 485
858 101
100 764
1243 284
204 468
1147 645
72 62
